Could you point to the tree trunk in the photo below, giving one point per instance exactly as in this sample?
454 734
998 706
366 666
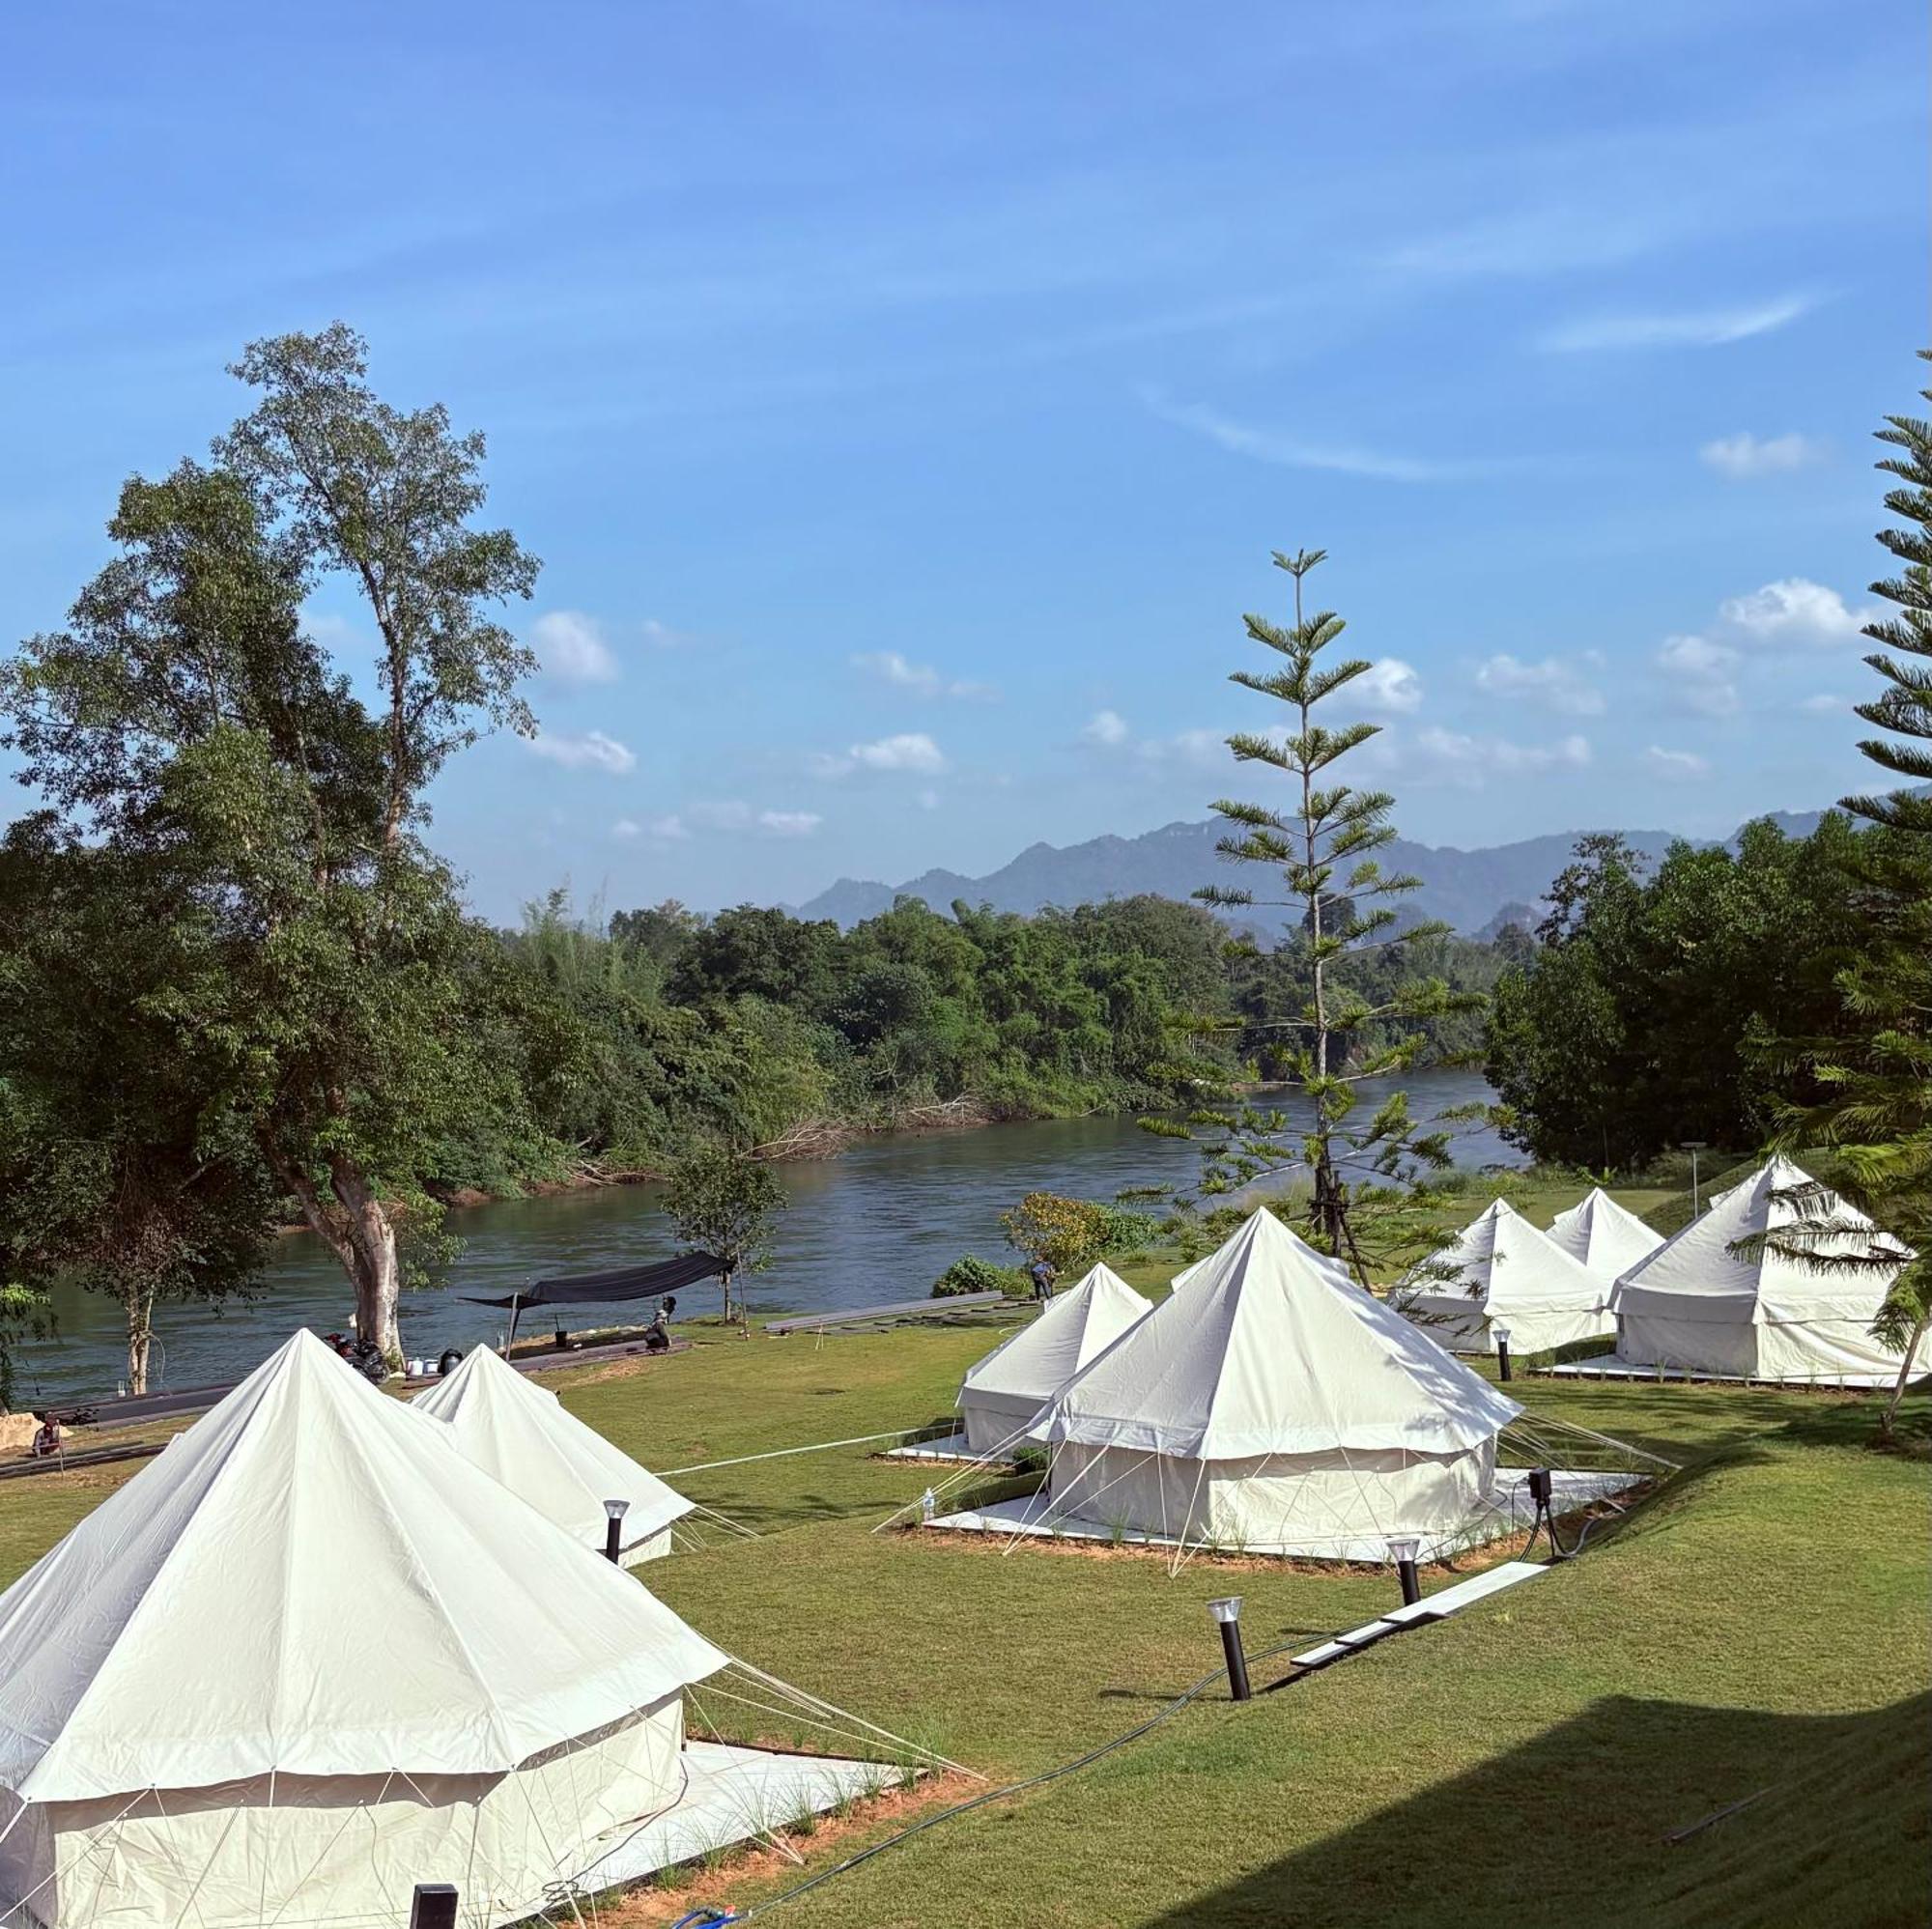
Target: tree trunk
724 1280
1905 1376
358 1232
140 1336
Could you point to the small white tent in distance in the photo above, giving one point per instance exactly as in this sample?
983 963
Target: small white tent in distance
1502 1271
522 1434
1002 1392
1608 1238
1270 1404
310 1657
1697 1306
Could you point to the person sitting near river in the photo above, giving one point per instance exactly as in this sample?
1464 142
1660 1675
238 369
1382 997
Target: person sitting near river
47 1441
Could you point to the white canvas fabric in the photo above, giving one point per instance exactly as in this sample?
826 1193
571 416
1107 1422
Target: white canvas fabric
311 1611
522 1434
1268 1401
1697 1306
1004 1391
1606 1238
1502 1271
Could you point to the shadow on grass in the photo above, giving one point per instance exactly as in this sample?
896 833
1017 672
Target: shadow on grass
1575 1827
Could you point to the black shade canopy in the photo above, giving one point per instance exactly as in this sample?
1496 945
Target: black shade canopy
591 1289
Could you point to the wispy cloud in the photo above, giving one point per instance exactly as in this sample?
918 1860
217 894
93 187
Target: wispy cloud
1291 452
789 823
1553 683
1436 756
922 679
1702 674
1703 327
908 750
1106 728
593 750
572 648
1744 457
1676 766
1390 688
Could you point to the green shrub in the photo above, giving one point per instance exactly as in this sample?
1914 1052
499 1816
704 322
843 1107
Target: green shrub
970 1273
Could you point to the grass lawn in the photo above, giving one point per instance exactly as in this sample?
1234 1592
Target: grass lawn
1761 1628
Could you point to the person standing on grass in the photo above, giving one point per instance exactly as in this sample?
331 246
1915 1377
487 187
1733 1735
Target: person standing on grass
1043 1279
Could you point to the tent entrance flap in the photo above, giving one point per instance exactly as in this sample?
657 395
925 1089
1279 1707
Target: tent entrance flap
618 1284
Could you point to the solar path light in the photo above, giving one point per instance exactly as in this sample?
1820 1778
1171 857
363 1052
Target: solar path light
1227 1611
1503 1334
613 1526
1403 1551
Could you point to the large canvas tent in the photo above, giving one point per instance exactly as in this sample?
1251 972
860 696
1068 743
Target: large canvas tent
1004 1391
1608 1238
1500 1271
1271 1405
522 1434
1697 1306
310 1657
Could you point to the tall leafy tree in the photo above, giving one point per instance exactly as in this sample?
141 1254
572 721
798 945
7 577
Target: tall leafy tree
188 724
725 1202
1321 844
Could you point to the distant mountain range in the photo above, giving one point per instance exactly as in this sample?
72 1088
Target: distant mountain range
1470 891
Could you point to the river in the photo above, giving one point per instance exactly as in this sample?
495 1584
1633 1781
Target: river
879 1223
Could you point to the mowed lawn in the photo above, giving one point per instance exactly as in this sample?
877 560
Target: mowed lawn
1761 1628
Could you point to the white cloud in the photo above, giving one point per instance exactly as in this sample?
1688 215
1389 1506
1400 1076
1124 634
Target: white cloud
662 636
1826 701
1703 673
1390 688
571 648
923 679
593 750
1448 757
1106 726
910 750
1709 328
789 823
1745 456
1289 452
627 827
1553 683
670 830
1676 766
1795 610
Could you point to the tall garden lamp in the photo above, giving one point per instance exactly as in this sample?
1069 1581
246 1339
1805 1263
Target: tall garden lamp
613 1526
1502 1337
1227 1612
1694 1146
1403 1551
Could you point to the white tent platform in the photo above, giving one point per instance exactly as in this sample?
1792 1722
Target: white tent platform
1610 1367
730 1795
1509 1511
947 1447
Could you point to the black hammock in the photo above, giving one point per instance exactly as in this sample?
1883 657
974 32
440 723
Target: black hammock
595 1288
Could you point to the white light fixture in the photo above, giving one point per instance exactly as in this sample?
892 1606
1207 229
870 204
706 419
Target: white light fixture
615 1510
613 1531
1402 1549
1225 1609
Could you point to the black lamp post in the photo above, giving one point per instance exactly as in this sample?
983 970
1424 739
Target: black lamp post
1403 1551
1227 1612
613 1526
1503 1334
433 1906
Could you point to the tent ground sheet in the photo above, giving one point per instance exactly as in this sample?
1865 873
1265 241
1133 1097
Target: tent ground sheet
1509 1511
1608 1367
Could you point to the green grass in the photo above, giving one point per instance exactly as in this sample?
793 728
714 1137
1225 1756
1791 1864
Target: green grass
1761 1627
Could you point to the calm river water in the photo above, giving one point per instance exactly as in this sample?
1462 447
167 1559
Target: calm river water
880 1223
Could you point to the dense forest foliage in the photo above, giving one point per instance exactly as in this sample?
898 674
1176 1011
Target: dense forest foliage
634 1035
1644 1015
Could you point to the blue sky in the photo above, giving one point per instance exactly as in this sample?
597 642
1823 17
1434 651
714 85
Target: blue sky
905 398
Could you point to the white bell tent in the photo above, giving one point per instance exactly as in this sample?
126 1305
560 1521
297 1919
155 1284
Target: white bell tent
1502 1271
522 1434
1273 1405
1608 1238
1697 1306
310 1657
1002 1393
